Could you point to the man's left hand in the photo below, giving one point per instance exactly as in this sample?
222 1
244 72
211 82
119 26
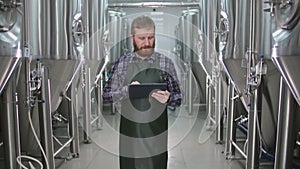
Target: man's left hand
161 96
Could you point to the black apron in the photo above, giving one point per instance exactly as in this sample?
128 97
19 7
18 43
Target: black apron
143 136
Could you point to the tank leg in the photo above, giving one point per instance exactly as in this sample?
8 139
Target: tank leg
46 121
73 129
10 130
284 150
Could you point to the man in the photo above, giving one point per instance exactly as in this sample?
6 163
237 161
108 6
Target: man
143 128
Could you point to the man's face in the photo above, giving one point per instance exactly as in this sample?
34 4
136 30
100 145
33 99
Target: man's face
144 41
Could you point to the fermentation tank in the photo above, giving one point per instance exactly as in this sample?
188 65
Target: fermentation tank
286 51
286 57
10 58
118 34
48 39
115 29
10 36
191 42
94 18
237 55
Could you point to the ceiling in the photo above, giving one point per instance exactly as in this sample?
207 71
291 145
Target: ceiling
134 1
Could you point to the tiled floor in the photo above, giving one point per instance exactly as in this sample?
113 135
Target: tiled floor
185 150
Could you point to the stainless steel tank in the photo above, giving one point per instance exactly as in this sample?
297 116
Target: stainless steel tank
237 42
48 37
10 57
10 46
191 46
286 57
118 34
188 29
94 13
286 51
235 57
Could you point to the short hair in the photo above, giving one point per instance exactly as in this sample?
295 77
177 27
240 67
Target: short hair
142 22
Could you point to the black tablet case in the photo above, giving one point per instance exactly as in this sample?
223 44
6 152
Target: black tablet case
143 90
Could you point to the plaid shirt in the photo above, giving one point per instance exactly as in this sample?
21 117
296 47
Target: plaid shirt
115 90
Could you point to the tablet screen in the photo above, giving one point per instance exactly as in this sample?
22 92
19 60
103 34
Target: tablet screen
143 90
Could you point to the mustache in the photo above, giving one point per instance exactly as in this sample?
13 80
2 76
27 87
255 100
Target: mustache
147 47
142 48
136 48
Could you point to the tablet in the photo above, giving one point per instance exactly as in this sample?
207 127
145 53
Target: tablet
143 90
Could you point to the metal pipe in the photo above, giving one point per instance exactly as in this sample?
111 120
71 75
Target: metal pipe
73 129
99 83
95 119
25 28
213 120
190 89
100 104
154 4
254 91
230 111
218 93
17 128
86 75
63 146
254 112
8 121
239 149
87 105
46 120
284 140
26 49
208 99
57 141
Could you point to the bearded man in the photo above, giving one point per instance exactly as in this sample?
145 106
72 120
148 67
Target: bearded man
144 120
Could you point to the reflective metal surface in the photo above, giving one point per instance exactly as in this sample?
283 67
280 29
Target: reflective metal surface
116 25
289 67
248 38
10 52
286 51
7 65
49 38
287 14
191 46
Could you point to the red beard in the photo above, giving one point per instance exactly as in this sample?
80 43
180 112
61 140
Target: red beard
144 51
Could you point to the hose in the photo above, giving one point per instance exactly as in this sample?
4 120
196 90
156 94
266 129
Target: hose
40 146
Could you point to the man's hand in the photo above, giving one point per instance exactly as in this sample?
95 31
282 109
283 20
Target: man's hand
135 82
161 96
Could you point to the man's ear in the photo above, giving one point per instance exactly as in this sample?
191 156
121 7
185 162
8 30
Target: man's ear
131 37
